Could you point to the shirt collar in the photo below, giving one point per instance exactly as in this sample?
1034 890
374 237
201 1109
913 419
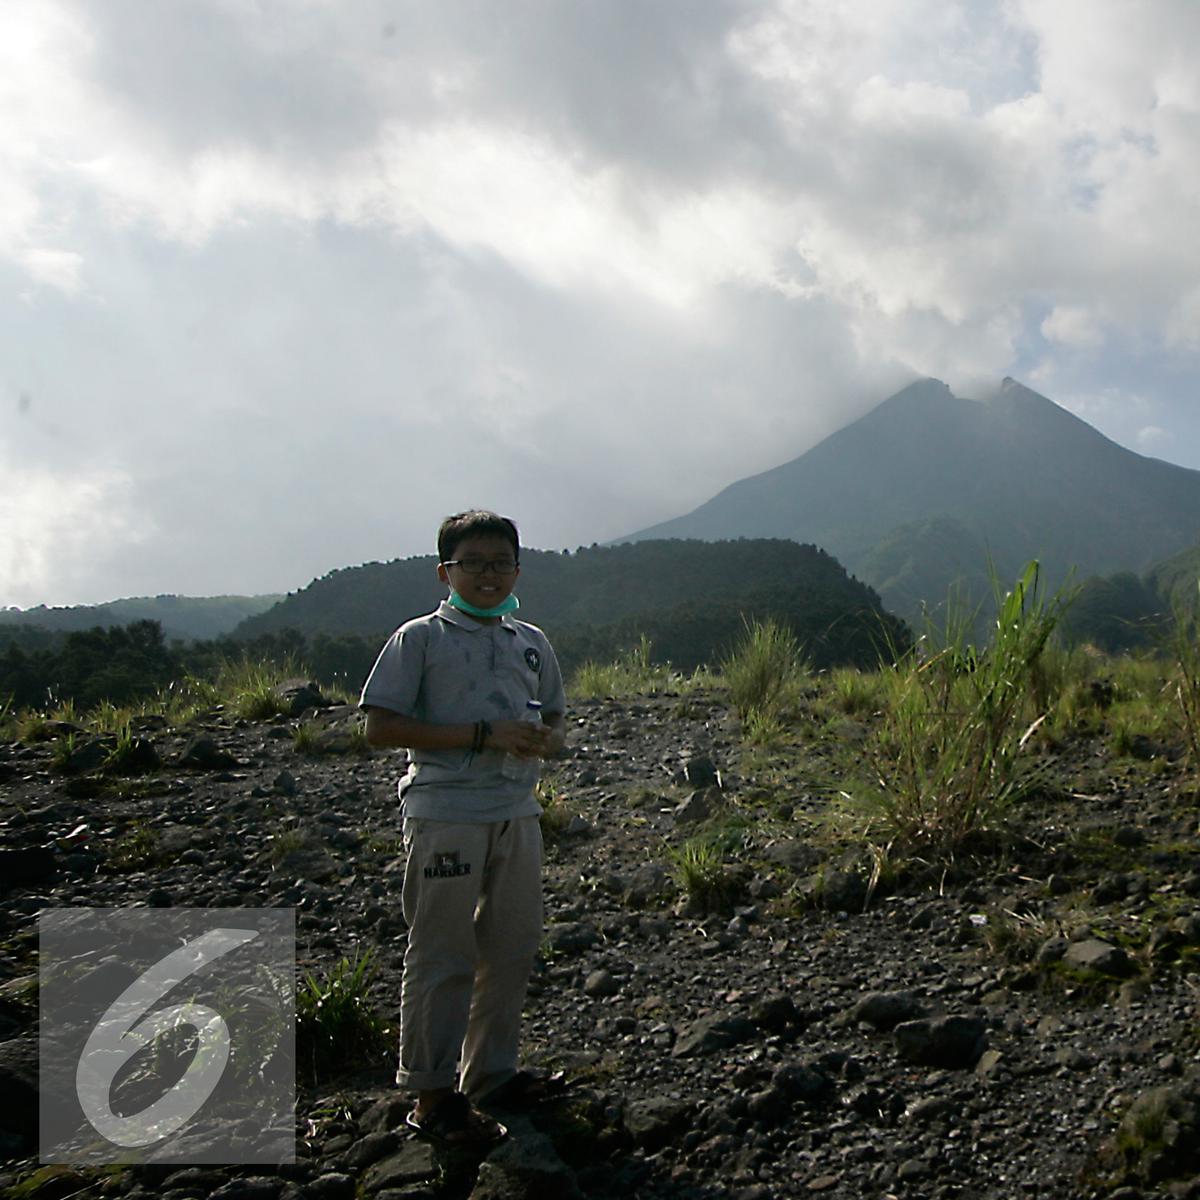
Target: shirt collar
463 620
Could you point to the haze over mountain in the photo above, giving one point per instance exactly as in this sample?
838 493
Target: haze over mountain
921 491
182 617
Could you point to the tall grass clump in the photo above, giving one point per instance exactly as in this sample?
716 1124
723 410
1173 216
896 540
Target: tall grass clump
765 671
632 674
182 700
249 687
855 692
951 752
108 717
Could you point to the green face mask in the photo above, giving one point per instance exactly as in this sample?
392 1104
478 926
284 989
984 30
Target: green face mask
509 604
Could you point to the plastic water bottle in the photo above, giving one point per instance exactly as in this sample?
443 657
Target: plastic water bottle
524 769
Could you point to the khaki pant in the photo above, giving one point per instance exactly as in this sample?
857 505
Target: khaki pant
473 903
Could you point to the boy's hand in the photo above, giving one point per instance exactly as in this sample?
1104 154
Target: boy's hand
523 739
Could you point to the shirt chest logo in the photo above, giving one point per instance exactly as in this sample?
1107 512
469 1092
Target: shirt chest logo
533 660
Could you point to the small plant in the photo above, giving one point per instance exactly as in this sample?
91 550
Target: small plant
556 812
1016 937
61 755
335 1021
700 870
766 670
34 727
763 728
127 753
137 848
390 845
304 739
358 740
289 841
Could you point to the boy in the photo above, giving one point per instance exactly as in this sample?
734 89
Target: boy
460 689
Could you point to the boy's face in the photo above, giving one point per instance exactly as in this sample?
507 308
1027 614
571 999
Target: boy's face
489 588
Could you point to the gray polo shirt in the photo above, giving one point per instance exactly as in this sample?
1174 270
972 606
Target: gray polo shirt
449 669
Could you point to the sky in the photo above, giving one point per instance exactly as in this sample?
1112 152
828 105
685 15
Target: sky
285 282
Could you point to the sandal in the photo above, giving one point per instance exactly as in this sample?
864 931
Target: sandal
455 1125
526 1089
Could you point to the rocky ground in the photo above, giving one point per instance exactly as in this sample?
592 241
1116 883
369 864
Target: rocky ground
1019 1023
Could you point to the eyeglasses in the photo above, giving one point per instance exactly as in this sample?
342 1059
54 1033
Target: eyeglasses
477 566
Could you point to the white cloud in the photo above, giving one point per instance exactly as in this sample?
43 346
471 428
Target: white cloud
55 268
1071 325
60 536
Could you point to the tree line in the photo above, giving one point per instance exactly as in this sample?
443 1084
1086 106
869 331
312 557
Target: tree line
126 664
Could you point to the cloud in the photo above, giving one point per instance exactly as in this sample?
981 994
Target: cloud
307 276
57 535
1072 325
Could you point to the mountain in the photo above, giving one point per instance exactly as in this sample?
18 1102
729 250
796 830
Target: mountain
184 617
1010 478
1129 612
689 596
1175 581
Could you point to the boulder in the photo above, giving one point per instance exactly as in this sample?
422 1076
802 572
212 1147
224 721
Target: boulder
1100 956
298 695
954 1042
714 1032
203 754
885 1010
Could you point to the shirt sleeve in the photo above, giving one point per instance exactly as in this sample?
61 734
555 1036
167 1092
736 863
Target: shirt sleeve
395 680
550 685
